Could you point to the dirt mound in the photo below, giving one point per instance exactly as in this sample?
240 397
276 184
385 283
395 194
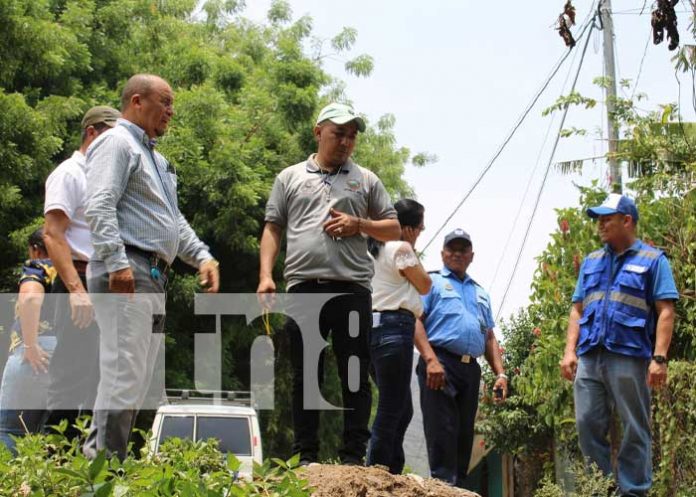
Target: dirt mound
332 480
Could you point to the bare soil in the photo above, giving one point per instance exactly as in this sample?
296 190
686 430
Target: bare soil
332 480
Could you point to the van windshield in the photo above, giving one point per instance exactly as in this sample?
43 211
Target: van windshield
233 433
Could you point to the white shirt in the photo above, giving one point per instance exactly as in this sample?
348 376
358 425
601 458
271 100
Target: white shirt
65 191
390 290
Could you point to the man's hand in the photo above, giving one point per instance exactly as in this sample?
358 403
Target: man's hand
435 374
265 292
122 281
500 384
569 365
341 225
657 375
36 357
210 275
81 310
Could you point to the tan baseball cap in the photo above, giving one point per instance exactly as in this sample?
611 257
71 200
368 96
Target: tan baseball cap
100 114
340 114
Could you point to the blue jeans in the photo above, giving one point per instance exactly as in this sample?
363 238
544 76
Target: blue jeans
23 393
391 351
606 381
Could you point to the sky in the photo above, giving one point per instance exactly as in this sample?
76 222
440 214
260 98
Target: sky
457 74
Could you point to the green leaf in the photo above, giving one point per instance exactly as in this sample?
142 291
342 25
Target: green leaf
73 474
362 65
96 466
104 489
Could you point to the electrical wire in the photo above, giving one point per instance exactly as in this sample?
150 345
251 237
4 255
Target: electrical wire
640 67
681 124
500 149
529 182
543 183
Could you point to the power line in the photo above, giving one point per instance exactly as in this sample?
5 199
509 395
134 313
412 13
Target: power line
529 182
640 67
543 183
508 138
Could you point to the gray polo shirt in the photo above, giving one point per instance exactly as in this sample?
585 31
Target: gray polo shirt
300 201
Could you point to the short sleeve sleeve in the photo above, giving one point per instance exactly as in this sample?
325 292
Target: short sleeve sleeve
579 293
62 192
38 270
429 297
664 287
276 207
404 256
380 205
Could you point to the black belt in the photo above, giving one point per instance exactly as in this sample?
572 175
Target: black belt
466 358
155 260
399 311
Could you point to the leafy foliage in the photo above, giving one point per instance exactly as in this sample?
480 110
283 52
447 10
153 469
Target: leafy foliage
246 96
660 151
47 466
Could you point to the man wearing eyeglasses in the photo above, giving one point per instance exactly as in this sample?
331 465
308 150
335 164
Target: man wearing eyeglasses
456 328
137 232
327 205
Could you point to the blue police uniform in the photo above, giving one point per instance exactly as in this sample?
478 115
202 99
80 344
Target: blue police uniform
457 317
617 330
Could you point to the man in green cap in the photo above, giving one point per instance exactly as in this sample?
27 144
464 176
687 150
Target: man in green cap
74 366
328 206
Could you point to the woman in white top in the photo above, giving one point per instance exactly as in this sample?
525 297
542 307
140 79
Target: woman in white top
397 285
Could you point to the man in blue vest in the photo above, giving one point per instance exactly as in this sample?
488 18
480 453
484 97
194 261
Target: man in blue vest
456 328
619 332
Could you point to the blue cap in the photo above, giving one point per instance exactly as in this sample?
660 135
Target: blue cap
458 234
613 204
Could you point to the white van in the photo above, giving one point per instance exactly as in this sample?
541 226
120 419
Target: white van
225 416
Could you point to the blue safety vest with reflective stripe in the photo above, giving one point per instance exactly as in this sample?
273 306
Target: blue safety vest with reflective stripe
618 309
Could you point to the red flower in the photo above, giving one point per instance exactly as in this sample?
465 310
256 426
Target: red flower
565 226
537 331
501 349
482 443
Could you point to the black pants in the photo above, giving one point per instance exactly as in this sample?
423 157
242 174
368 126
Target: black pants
449 415
334 319
74 367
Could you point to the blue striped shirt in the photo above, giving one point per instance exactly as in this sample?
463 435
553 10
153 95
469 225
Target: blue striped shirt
131 200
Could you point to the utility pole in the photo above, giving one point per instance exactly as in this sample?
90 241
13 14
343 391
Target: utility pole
610 93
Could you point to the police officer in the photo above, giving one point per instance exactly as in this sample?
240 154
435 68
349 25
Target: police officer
455 329
619 332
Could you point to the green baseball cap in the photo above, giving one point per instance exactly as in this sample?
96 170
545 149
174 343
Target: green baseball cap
340 114
100 114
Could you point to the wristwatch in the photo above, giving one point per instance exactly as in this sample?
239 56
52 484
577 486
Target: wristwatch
660 359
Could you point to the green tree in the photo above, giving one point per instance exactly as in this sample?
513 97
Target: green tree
660 151
246 95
